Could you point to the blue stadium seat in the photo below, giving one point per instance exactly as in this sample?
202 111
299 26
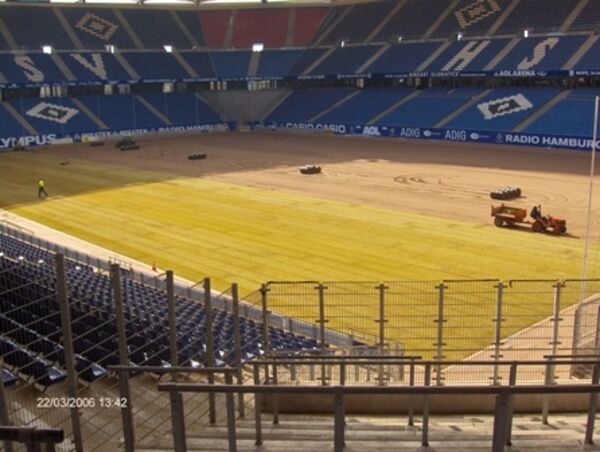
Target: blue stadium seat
302 105
428 108
33 28
30 68
572 116
365 105
360 21
345 60
528 14
447 61
156 28
231 64
503 109
541 54
155 65
98 27
402 58
472 18
94 66
413 19
183 108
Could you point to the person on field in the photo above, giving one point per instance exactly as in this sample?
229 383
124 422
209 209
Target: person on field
536 212
42 189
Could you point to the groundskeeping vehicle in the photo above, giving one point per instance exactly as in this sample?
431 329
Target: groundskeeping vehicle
505 215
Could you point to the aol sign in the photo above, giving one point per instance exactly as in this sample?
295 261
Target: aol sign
372 131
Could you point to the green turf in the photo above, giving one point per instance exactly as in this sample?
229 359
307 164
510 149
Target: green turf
232 233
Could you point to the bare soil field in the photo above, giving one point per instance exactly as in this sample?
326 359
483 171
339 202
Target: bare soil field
450 181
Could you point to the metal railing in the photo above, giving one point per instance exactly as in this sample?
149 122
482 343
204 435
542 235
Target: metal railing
503 411
34 439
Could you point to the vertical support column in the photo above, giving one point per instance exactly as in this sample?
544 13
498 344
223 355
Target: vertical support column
425 426
265 319
439 354
381 320
178 422
4 418
500 421
230 403
65 319
126 411
275 397
498 333
338 440
512 381
591 419
172 322
549 376
210 356
321 321
257 407
237 338
411 383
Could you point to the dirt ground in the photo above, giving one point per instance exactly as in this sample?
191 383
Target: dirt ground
450 181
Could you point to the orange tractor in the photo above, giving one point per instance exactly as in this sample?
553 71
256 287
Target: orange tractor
509 216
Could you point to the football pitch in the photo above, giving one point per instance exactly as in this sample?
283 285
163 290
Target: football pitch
236 233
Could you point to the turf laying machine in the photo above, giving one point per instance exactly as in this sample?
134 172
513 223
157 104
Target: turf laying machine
510 216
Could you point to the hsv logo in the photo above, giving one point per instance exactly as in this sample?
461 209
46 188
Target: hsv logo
476 11
97 26
504 106
52 112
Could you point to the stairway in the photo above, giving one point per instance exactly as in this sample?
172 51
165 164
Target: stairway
446 433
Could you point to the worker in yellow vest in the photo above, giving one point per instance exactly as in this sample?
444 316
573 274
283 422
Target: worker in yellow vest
41 188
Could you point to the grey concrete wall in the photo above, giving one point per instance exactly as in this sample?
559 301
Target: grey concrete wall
240 105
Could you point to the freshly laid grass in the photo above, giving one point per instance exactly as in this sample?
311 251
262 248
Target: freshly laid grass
232 233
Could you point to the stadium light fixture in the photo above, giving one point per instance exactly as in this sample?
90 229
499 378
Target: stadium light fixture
342 43
47 50
526 33
399 38
110 48
168 48
258 47
459 36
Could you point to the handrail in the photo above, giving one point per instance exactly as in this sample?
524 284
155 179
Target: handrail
503 412
376 360
175 369
31 435
381 390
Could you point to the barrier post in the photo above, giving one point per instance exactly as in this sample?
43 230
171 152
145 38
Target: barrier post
126 411
237 336
210 356
4 418
67 336
230 402
265 319
500 421
381 320
425 427
498 331
257 407
321 321
512 381
172 321
439 354
592 408
338 438
178 422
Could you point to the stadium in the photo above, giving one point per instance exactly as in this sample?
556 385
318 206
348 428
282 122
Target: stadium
299 225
